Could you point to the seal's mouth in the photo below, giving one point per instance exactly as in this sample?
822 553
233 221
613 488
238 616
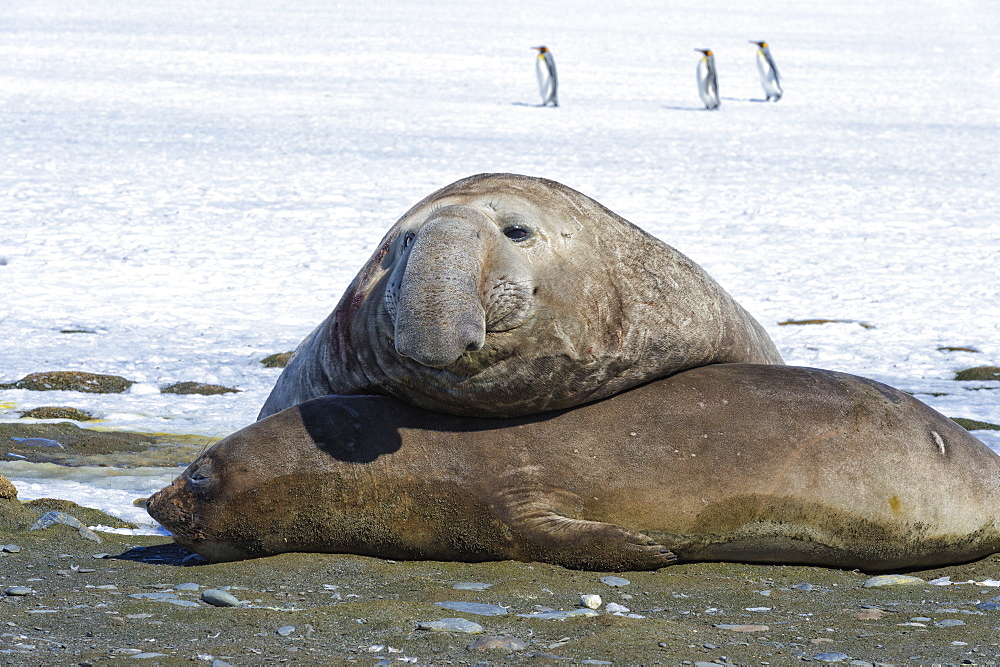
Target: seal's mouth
175 513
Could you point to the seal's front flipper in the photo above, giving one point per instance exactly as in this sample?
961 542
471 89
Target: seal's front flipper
591 545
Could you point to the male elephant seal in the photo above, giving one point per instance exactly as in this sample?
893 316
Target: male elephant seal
726 462
504 295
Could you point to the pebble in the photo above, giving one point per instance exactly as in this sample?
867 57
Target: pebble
187 587
831 657
886 580
148 655
474 608
451 625
559 615
219 663
615 582
504 643
219 598
11 548
18 591
471 586
591 601
286 630
758 609
803 587
949 623
615 608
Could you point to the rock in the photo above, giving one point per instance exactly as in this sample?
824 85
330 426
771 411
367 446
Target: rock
17 591
615 582
591 601
52 518
86 515
870 614
58 412
474 608
148 655
182 603
504 643
960 348
742 628
199 388
831 657
471 586
451 625
886 580
38 442
219 598
978 374
559 615
90 383
988 606
187 587
948 623
157 595
825 321
803 587
10 548
973 425
615 608
7 490
286 630
279 360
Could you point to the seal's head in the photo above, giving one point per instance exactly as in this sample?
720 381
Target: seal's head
219 504
503 295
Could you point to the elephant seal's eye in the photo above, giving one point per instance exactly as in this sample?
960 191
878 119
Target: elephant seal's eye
201 474
517 233
408 239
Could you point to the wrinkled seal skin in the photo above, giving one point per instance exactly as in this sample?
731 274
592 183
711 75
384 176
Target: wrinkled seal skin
739 462
504 295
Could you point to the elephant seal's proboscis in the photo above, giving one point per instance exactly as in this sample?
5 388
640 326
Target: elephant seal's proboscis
739 462
504 295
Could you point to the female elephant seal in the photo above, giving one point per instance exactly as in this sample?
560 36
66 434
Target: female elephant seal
504 295
726 462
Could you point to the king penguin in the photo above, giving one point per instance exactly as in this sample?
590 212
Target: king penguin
548 82
768 72
708 82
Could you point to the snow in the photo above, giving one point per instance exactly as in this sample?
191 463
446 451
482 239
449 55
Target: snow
197 184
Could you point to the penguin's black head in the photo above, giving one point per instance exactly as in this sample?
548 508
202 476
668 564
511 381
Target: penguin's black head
762 45
541 49
707 52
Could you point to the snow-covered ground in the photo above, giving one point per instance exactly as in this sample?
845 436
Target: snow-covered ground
197 183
